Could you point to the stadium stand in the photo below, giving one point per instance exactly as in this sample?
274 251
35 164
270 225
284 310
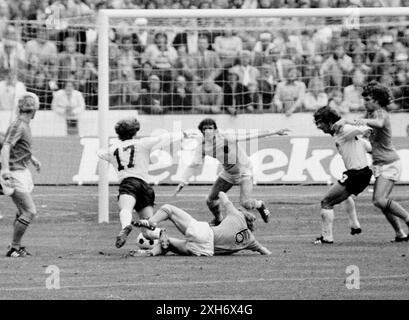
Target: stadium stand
48 42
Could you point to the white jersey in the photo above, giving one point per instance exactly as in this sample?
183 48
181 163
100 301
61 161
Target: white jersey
351 148
131 158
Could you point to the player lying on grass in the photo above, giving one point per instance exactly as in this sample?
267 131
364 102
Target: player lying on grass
354 180
130 158
386 164
237 168
15 178
233 234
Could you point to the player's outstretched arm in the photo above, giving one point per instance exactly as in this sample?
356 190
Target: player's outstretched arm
261 249
264 134
36 163
103 154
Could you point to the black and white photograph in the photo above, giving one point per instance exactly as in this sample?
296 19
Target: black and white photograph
202 158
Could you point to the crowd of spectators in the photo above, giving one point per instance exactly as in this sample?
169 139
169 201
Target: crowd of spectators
192 68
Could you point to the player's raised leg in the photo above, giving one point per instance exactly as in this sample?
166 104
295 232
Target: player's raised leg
249 203
181 219
212 199
335 195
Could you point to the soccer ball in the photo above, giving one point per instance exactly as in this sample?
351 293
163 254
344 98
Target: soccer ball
144 243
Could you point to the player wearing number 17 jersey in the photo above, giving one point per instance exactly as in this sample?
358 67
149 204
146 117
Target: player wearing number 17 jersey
130 157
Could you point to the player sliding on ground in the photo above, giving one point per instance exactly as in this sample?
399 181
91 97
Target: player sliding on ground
16 180
354 180
130 158
233 234
237 168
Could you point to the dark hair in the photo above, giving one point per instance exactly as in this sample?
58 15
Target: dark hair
326 115
127 128
378 92
207 122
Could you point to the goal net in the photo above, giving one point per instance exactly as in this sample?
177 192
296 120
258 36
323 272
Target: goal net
196 62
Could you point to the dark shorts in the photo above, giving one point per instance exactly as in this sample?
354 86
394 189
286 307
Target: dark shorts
355 181
140 190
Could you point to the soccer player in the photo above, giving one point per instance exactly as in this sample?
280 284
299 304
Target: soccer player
233 234
354 180
130 157
237 168
15 178
386 161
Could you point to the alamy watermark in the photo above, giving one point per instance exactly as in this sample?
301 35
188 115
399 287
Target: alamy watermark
53 280
353 279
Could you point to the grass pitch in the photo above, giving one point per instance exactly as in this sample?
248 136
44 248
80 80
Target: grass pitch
66 235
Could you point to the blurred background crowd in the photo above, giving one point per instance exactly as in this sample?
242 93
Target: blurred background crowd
201 65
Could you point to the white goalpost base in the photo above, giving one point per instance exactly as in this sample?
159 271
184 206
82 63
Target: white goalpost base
104 17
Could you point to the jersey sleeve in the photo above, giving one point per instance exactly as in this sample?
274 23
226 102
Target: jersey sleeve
149 142
103 154
254 245
14 135
350 132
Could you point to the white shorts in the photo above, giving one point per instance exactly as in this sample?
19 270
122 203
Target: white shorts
245 173
391 171
200 238
21 180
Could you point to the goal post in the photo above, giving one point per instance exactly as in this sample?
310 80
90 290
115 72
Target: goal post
103 27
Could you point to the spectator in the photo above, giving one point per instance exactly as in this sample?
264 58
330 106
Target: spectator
266 84
336 67
162 58
401 85
206 62
124 89
181 97
315 97
290 93
384 58
141 32
262 48
248 75
209 97
129 59
70 61
12 55
38 81
372 47
69 103
43 48
10 91
184 64
188 37
143 74
152 101
228 46
236 96
353 93
89 83
337 103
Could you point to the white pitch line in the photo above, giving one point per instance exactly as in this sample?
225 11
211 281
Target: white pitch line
194 283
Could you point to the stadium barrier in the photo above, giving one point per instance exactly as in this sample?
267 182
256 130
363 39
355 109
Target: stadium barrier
277 160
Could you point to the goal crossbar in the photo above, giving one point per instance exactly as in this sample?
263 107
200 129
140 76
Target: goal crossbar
103 57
